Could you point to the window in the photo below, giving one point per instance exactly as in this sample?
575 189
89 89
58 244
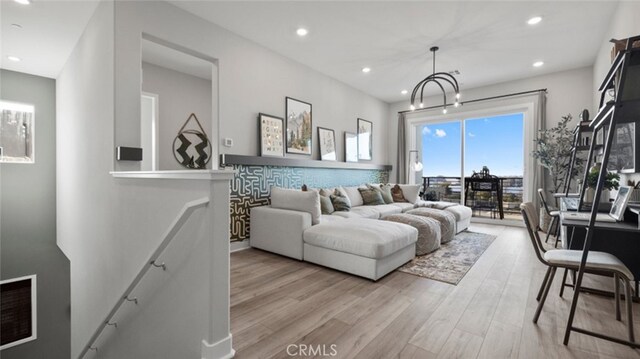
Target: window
455 150
17 133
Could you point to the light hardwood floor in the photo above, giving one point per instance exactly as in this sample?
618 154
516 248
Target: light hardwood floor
277 301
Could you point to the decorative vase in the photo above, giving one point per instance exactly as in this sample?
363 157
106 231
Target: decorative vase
589 195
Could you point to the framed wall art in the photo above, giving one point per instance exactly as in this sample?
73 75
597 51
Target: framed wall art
327 141
350 147
299 124
365 140
271 135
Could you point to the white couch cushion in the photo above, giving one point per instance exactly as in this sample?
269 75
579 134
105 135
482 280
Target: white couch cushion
297 200
354 196
387 209
359 212
404 206
325 218
461 212
363 237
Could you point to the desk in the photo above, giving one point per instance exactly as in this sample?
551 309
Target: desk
621 239
489 184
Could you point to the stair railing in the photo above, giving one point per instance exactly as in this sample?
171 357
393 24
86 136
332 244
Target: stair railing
174 228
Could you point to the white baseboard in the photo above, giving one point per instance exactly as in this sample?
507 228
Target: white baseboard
219 350
239 245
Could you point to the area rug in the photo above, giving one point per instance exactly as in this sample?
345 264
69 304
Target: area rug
453 260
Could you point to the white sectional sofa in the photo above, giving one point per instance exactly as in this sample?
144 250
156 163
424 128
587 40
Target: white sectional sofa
355 241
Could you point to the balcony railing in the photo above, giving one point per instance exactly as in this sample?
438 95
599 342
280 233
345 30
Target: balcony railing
449 189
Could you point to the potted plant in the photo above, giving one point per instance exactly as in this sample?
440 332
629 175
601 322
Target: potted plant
611 181
553 152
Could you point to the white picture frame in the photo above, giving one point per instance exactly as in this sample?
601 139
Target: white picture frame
365 140
620 204
350 147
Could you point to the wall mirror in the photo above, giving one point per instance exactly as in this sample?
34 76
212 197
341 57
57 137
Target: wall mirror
176 109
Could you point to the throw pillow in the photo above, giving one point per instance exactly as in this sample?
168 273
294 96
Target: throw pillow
298 201
326 192
385 191
396 193
411 192
326 207
354 196
341 192
340 203
371 197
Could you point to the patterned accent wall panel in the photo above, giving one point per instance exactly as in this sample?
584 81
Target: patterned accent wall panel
252 184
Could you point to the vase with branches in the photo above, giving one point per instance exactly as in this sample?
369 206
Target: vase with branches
553 152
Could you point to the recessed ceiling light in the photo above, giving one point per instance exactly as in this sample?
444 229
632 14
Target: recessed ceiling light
16 26
534 20
14 58
302 31
366 69
23 2
404 92
538 63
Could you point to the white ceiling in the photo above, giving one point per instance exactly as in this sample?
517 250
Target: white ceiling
488 42
50 31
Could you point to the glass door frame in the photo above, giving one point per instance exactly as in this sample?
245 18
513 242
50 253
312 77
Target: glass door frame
526 108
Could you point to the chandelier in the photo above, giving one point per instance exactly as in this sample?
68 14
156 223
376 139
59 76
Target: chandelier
440 79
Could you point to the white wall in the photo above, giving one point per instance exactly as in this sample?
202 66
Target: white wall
567 92
179 95
252 79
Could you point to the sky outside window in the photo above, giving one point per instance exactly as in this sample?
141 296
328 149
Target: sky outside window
495 142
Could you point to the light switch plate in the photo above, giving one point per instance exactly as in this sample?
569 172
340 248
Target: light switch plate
228 142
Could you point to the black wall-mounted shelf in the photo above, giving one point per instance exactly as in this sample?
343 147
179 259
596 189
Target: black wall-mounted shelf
227 159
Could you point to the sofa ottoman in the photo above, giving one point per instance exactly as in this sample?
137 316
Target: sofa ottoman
446 219
429 234
462 213
366 247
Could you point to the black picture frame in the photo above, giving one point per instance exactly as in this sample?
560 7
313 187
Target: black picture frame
365 140
299 134
350 147
271 129
327 144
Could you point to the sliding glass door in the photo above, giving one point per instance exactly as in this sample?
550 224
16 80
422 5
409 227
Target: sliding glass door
442 160
477 161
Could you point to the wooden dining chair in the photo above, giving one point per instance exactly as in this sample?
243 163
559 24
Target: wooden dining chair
599 263
555 218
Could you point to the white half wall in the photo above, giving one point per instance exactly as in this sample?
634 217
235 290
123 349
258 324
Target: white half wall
568 92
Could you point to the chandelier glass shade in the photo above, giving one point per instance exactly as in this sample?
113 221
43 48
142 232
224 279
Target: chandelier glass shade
441 79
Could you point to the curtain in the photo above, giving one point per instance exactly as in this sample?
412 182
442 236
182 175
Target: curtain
539 124
401 160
